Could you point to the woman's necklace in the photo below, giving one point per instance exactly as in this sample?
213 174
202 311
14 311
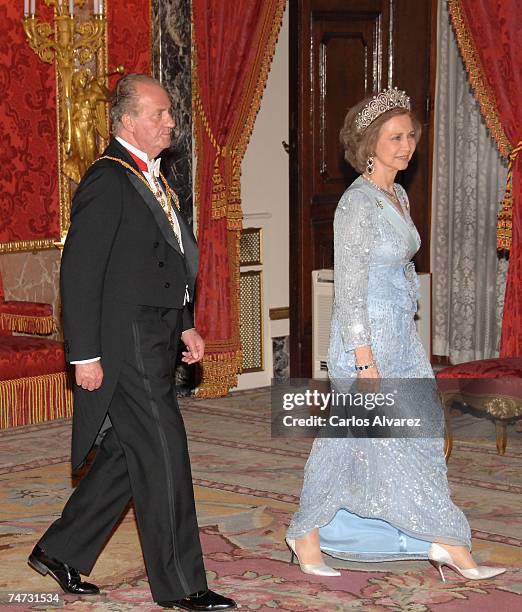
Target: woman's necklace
393 196
381 189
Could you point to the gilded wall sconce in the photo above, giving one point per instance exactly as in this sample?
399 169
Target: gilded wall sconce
76 44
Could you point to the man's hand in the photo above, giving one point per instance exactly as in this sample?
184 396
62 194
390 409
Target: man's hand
195 346
89 376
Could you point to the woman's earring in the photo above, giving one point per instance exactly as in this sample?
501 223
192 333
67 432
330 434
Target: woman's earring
369 165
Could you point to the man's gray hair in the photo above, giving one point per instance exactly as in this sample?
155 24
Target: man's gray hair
125 99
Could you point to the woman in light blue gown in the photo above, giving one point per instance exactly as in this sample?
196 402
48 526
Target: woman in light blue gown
378 499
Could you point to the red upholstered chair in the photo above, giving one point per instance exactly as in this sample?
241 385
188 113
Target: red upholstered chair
34 383
490 386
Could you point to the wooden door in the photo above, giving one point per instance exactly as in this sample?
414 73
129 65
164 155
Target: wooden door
341 51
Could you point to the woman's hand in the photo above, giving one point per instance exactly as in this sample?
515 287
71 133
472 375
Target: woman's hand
367 379
372 372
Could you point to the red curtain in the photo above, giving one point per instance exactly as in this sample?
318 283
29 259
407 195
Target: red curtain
489 34
233 46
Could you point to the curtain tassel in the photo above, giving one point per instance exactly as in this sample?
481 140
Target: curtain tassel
219 191
505 215
220 372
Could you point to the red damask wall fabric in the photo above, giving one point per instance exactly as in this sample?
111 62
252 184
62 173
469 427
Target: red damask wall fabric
29 206
28 151
489 33
130 38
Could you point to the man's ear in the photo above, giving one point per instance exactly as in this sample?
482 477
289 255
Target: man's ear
128 122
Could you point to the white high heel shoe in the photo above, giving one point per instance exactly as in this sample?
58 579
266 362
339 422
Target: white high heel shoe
439 556
318 569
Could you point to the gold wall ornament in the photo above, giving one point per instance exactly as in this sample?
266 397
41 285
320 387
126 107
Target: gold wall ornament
87 121
76 43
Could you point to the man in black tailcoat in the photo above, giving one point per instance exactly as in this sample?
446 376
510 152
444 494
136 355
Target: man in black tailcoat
127 285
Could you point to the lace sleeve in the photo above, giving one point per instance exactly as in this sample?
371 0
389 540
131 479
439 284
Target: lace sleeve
354 235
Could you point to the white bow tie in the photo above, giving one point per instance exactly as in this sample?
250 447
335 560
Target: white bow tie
154 166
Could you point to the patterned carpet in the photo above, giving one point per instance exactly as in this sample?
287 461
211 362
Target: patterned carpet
247 487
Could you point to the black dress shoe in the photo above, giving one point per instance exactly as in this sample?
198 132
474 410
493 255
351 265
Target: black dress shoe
202 600
65 575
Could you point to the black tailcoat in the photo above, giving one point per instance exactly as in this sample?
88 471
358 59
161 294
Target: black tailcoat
120 252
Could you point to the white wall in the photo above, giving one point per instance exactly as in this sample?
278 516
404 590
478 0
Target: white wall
264 194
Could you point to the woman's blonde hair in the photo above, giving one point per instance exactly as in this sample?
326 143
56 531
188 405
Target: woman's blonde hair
358 146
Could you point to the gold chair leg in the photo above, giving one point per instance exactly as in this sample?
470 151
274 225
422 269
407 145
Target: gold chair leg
501 428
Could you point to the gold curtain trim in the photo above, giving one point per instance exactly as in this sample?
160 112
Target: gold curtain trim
28 324
202 124
198 107
249 108
505 215
477 80
257 82
26 401
220 372
27 245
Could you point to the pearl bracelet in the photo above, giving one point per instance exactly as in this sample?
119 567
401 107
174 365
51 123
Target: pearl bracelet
365 366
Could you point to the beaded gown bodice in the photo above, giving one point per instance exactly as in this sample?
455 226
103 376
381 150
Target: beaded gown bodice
373 274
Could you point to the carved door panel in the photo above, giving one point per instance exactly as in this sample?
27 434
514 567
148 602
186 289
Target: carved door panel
340 51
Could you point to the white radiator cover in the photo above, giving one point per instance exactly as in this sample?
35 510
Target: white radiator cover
322 300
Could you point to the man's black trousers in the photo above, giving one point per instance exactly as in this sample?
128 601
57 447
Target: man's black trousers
144 457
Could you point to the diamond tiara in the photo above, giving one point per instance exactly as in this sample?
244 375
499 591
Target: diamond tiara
379 104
